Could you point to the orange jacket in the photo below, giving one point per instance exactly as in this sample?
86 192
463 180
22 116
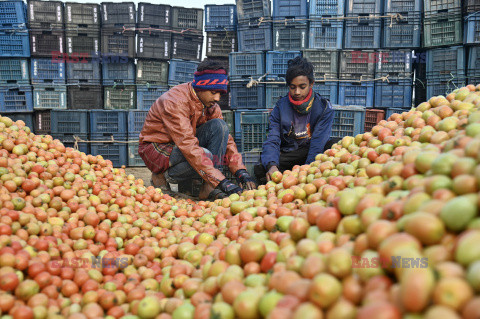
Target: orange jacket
174 117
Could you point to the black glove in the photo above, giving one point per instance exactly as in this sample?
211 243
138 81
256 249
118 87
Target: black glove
243 177
228 187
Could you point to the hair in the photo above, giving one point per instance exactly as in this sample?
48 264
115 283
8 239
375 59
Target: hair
297 67
209 64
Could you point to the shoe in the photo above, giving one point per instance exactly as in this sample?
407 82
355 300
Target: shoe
159 181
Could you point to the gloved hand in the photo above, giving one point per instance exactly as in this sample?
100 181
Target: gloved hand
245 180
228 187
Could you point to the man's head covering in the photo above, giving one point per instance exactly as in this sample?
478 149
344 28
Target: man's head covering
210 80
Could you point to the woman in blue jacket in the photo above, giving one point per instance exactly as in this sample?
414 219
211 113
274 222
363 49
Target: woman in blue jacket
300 124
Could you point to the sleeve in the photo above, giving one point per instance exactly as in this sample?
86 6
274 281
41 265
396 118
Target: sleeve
178 125
271 147
321 132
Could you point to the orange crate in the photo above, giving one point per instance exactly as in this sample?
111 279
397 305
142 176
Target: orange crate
372 117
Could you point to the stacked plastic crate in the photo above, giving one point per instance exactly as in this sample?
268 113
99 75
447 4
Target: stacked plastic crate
471 12
15 89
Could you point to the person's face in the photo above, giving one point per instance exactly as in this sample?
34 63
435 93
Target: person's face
300 87
209 98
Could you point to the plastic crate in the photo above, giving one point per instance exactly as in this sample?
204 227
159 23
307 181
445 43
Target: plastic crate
364 34
251 128
246 98
49 97
326 8
45 14
154 15
290 9
250 159
42 122
187 18
84 97
45 71
290 36
120 97
372 117
46 43
348 121
473 66
443 85
434 7
396 63
355 93
115 152
152 72
187 46
226 172
14 43
117 42
327 34
135 121
147 95
87 43
328 90
325 63
118 14
390 111
221 43
107 123
248 9
228 117
154 45
15 98
118 73
82 16
356 7
220 17
68 140
470 6
246 64
181 71
13 15
277 63
403 6
255 37
134 160
403 33
395 93
446 61
14 71
25 117
357 65
85 72
444 29
69 122
224 102
472 28
273 93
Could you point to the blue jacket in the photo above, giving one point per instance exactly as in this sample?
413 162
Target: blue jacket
282 120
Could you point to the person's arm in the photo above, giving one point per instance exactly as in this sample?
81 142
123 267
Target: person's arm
321 132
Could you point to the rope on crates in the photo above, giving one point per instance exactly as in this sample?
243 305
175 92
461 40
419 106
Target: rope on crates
392 17
111 141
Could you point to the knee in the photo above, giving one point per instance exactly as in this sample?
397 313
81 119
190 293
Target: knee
219 126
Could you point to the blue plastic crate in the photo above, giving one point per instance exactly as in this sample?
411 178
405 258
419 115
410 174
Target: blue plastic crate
363 35
246 98
248 9
134 160
68 140
472 28
220 17
326 8
147 95
135 121
273 93
255 37
277 63
107 123
356 93
49 97
14 71
390 111
356 7
115 152
290 36
290 9
25 117
181 71
46 71
403 33
251 128
328 90
13 15
444 85
120 73
244 65
395 93
446 61
473 66
69 122
403 6
15 98
348 121
14 43
326 34
87 72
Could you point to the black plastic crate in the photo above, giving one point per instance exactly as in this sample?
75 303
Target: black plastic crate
85 43
14 71
247 9
84 97
120 97
220 17
255 37
118 42
442 30
277 63
394 63
147 95
46 43
355 7
118 14
152 72
82 16
470 6
107 123
404 32
154 44
224 102
187 46
357 65
221 43
435 7
84 72
13 15
363 33
154 15
43 125
446 61
290 36
45 14
325 63
46 71
14 98
69 122
118 73
49 97
223 61
190 19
